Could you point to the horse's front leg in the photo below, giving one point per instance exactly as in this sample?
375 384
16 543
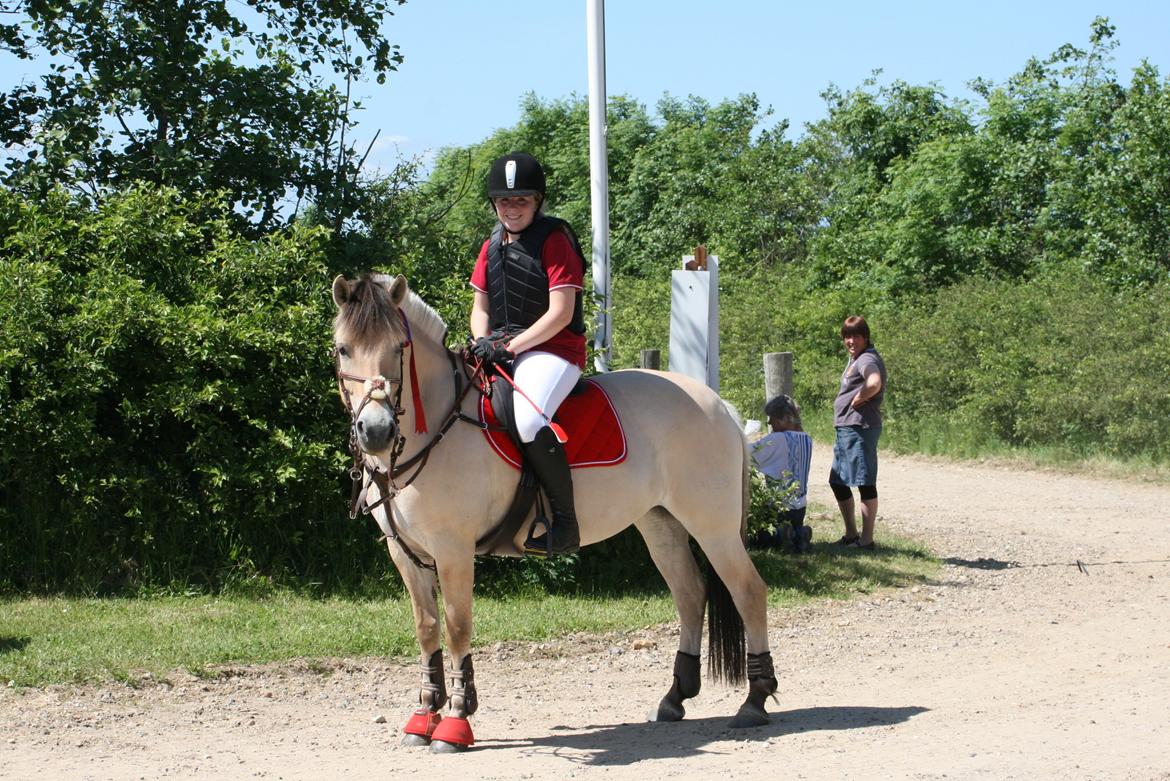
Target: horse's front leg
432 695
456 574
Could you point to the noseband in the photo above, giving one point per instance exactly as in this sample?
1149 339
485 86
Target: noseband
375 389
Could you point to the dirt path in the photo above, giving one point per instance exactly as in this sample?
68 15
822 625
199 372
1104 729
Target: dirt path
1016 664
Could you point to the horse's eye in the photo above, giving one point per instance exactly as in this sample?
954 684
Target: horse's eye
342 351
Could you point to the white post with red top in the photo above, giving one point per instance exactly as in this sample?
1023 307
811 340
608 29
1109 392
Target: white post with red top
694 318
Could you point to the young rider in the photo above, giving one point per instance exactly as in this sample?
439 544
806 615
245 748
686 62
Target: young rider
528 284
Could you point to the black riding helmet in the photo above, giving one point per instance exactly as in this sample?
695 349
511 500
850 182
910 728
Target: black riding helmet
515 174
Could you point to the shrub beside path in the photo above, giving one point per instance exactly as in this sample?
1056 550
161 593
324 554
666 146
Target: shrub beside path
1017 663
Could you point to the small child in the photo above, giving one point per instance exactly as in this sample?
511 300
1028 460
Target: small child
784 457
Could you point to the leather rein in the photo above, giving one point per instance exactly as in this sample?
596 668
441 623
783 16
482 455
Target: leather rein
367 470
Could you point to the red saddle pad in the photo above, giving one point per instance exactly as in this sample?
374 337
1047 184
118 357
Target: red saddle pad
596 437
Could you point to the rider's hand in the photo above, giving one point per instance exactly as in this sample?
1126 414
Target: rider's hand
491 349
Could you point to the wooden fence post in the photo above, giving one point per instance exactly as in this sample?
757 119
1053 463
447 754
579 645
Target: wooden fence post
777 375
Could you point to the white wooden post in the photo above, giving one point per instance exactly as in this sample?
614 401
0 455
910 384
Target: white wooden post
694 320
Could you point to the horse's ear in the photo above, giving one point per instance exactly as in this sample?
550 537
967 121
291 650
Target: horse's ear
341 290
398 290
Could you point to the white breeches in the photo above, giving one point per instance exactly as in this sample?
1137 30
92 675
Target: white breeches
547 379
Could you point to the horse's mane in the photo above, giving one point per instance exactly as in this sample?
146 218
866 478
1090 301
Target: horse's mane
424 320
369 313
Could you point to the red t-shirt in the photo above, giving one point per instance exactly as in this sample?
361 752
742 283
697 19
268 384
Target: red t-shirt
565 268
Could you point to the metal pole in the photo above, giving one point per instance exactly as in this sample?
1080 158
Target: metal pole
599 180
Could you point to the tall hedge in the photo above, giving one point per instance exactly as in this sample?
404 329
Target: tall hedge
1062 362
166 413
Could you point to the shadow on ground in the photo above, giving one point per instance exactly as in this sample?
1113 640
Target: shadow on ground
981 563
625 744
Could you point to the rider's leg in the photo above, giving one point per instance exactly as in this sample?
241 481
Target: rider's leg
551 465
547 379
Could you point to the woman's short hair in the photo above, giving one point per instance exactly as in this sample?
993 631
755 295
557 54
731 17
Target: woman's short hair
785 409
855 325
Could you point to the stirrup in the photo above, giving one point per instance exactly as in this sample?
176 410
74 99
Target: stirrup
542 546
532 546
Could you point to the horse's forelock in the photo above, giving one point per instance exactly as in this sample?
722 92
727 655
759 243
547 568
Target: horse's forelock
368 313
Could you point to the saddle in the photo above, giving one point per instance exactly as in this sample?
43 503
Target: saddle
596 438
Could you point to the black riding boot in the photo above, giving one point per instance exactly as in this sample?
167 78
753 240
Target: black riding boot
551 465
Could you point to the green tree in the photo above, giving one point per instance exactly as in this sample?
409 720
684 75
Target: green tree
675 194
197 95
852 157
1128 230
1059 168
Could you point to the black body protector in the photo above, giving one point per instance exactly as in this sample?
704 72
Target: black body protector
517 281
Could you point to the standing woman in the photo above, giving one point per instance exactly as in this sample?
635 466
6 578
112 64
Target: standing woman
528 283
857 415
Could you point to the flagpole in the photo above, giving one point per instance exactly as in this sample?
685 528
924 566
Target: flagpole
599 181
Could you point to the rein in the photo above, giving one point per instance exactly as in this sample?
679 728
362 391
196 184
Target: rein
366 470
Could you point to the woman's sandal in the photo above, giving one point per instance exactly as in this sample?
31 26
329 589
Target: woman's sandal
848 541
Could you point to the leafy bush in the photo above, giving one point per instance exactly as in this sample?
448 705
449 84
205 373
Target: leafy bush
166 409
767 498
1057 362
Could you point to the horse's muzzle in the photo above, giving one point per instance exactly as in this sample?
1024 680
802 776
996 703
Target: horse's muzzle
376 429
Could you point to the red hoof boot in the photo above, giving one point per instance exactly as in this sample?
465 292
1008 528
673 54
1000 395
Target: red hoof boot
421 727
453 734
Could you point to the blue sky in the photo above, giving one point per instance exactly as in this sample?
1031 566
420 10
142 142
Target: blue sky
469 62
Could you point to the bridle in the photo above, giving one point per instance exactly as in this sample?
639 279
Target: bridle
365 469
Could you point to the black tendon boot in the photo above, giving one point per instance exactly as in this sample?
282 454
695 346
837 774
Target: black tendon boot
551 465
762 684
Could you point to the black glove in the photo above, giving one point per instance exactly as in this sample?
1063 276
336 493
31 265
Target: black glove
491 349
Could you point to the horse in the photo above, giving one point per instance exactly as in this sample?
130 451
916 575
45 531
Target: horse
437 493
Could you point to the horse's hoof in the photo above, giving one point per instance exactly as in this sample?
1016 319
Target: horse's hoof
668 711
414 741
420 727
453 734
750 716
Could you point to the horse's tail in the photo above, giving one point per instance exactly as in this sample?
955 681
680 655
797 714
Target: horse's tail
726 646
727 649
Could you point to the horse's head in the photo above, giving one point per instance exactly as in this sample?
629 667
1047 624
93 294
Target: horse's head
369 338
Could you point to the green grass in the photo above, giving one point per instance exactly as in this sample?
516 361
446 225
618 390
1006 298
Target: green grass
60 639
63 639
829 571
947 439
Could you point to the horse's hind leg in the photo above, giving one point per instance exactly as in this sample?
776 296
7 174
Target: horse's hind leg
670 549
731 562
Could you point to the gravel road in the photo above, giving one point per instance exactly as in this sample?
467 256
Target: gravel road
1017 663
